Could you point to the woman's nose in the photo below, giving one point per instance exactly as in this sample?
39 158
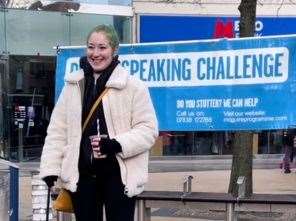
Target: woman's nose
96 51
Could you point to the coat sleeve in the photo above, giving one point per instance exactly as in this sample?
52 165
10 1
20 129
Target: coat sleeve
144 126
55 140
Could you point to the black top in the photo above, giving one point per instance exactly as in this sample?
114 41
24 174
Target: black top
92 91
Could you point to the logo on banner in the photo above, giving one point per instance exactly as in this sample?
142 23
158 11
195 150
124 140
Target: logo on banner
230 28
224 30
72 64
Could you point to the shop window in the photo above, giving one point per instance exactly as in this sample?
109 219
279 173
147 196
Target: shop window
174 143
191 143
30 101
270 142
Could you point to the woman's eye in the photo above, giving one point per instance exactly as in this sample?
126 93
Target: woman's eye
90 47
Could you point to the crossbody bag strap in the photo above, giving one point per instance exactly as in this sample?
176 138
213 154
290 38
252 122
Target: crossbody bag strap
94 107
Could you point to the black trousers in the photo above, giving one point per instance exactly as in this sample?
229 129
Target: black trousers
106 190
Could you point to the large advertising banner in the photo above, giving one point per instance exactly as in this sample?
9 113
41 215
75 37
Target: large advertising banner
210 85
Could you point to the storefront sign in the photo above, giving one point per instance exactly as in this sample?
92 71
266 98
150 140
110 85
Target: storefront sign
238 84
178 27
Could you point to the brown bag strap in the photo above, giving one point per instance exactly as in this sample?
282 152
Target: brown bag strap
94 107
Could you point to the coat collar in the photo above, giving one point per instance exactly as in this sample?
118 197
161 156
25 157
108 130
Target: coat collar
118 78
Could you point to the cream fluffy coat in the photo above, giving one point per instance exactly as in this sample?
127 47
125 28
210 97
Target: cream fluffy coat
130 119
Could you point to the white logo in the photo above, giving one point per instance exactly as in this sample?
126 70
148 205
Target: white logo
72 64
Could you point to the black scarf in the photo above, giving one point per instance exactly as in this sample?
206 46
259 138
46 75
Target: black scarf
91 93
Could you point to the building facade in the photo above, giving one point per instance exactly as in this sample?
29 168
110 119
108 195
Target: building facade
30 30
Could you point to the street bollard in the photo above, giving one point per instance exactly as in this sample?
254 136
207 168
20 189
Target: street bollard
187 185
64 216
241 182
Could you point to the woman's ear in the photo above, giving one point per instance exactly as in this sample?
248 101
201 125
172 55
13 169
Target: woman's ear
115 52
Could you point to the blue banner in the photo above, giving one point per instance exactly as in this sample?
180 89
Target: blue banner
210 85
178 27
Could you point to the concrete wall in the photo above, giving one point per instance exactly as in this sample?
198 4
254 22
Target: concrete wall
212 7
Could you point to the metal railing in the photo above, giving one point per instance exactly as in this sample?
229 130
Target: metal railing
9 191
210 201
24 153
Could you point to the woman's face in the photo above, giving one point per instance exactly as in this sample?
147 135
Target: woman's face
99 53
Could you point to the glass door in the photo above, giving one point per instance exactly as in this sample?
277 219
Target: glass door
3 138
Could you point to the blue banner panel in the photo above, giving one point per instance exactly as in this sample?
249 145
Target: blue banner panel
177 27
210 85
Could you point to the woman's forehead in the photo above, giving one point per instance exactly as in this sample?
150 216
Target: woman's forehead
99 37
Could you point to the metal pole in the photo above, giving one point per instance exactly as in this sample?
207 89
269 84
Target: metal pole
143 213
230 213
20 142
268 142
140 210
47 204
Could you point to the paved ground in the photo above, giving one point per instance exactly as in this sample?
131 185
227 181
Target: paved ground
265 181
211 174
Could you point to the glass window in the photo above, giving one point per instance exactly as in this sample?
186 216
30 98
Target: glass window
29 104
3 66
2 31
191 143
101 2
214 143
120 2
108 2
123 27
55 5
81 24
36 32
270 142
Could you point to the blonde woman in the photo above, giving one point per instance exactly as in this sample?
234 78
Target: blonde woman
100 171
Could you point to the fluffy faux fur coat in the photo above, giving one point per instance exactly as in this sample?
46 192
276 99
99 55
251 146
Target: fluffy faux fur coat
130 119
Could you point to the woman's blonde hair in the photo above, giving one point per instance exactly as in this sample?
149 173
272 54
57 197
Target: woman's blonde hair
110 32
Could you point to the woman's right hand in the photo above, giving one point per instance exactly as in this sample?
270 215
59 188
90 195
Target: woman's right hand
49 180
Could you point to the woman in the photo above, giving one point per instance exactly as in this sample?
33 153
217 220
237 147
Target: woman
288 144
125 115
